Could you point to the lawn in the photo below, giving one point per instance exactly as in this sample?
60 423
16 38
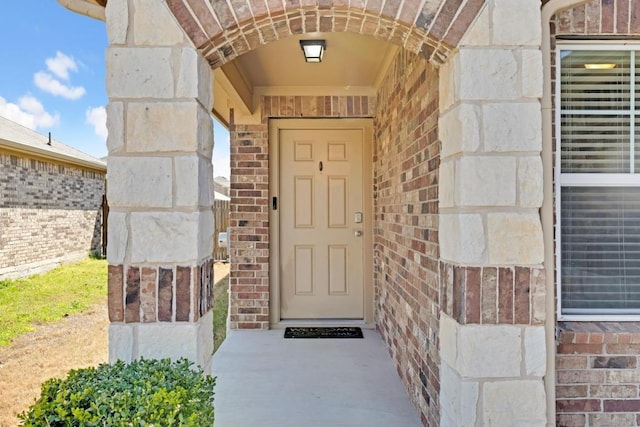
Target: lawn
220 308
49 297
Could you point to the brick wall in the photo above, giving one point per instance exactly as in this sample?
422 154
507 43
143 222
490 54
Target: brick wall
406 251
249 216
249 223
49 213
597 380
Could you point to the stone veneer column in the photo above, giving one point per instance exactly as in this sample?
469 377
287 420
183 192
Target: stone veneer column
492 337
160 187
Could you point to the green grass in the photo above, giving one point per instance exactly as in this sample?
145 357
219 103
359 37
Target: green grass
48 297
220 309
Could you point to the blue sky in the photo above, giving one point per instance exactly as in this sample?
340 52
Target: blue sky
52 77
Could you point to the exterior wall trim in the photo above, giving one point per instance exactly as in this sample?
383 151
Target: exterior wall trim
547 211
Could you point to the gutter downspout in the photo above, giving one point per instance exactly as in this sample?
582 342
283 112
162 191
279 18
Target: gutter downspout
84 7
548 10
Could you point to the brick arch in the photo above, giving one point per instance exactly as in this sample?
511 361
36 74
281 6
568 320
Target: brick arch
223 30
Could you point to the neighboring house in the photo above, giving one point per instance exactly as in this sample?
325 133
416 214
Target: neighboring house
463 179
221 185
50 202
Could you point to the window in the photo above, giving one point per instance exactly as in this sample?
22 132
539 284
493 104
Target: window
598 182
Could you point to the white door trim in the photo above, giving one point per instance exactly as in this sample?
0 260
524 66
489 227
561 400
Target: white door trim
275 126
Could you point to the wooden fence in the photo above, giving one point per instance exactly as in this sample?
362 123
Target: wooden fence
221 212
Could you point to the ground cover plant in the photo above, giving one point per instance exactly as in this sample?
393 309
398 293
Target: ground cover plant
49 297
143 393
220 309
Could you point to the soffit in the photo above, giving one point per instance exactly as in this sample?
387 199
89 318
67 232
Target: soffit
352 65
349 60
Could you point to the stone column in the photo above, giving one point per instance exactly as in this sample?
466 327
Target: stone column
160 187
492 337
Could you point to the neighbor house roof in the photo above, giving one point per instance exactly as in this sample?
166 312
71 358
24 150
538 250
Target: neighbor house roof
220 196
22 139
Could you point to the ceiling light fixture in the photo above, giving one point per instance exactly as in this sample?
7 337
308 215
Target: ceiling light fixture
313 49
599 66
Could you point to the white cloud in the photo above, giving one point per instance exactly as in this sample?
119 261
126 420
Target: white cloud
97 117
61 65
49 84
29 112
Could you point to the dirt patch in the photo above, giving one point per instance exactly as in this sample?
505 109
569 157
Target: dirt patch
78 341
51 350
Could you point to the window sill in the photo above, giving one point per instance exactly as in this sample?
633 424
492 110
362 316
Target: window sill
597 332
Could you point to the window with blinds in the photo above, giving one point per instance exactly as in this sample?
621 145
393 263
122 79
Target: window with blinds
597 187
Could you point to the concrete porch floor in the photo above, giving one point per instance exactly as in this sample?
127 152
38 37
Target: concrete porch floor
265 380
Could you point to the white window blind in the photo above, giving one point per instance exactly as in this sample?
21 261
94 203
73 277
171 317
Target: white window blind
597 188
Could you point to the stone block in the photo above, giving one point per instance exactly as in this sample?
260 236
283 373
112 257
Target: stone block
458 397
512 127
486 181
140 182
155 25
460 130
206 230
479 33
117 20
205 133
447 76
535 354
162 127
532 73
462 238
191 340
488 351
516 23
447 184
194 78
187 170
139 72
514 403
488 74
115 127
530 182
448 339
118 235
164 237
121 342
515 239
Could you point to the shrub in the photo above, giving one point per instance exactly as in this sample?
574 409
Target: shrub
147 392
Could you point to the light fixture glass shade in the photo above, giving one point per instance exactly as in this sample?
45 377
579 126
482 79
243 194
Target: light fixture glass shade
599 66
313 49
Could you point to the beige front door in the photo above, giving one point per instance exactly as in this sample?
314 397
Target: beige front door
321 224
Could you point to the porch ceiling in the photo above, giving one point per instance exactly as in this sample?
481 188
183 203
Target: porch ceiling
352 65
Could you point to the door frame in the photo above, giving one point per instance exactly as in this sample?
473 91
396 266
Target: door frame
275 126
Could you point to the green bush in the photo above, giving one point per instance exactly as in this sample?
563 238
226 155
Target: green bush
144 393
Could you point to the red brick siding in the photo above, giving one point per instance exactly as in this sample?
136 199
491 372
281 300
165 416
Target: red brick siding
596 362
249 223
493 295
406 250
597 373
147 293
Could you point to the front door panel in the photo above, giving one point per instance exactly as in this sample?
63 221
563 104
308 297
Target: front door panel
321 243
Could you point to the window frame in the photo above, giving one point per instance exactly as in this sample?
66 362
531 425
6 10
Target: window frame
630 179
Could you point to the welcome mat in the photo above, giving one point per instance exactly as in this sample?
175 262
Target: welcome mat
323 332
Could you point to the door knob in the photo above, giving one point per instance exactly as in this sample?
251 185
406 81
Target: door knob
358 233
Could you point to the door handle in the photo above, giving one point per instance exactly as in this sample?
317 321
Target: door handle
358 233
